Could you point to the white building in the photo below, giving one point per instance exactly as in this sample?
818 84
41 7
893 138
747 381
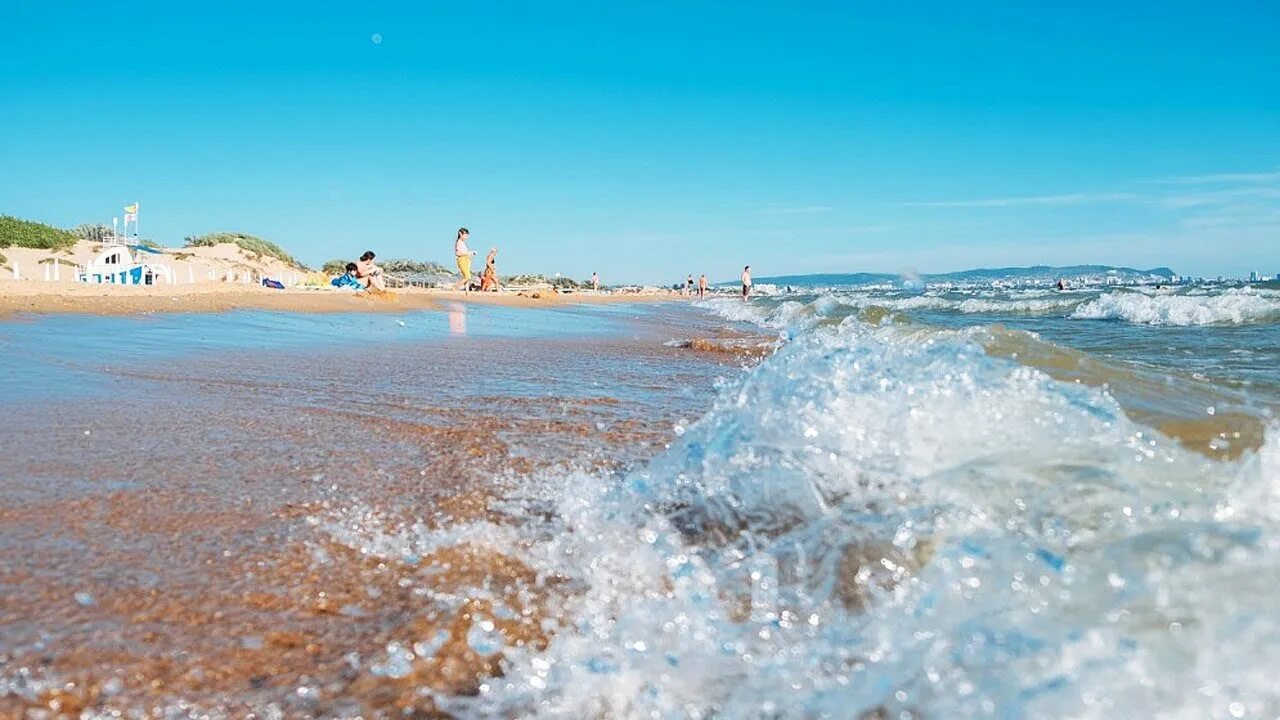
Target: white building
123 264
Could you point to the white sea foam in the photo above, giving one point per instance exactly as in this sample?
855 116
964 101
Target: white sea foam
1234 306
879 521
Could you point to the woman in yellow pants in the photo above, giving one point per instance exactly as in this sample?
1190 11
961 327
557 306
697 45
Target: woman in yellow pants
464 255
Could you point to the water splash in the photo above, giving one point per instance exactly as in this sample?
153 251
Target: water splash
875 523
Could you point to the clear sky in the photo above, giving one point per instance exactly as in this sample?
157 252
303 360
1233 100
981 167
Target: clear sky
651 140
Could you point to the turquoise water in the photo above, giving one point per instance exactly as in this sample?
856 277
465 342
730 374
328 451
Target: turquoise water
66 354
886 519
946 504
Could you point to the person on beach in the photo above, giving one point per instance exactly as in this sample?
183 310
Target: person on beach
463 256
595 282
370 274
702 285
489 278
746 282
348 280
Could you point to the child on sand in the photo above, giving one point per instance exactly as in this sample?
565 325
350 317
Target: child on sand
348 280
489 278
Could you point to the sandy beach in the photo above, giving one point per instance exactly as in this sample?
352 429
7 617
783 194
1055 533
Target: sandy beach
209 522
40 297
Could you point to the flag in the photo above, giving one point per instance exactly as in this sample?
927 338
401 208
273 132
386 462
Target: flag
131 217
131 208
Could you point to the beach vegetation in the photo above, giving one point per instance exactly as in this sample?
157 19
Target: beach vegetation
561 283
28 234
415 267
93 232
251 244
397 266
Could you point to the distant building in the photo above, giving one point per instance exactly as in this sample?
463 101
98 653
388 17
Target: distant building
1253 277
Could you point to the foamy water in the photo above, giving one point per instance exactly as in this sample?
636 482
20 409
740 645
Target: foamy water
900 513
1180 307
878 520
1233 306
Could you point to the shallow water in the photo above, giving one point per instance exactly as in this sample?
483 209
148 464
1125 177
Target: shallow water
918 506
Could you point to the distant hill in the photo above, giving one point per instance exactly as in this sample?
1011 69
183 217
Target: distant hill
1033 274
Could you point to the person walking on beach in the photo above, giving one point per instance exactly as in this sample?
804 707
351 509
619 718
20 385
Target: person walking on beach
489 278
746 282
688 285
369 273
463 256
702 285
595 282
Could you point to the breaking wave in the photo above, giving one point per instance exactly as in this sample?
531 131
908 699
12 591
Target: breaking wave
1236 306
879 521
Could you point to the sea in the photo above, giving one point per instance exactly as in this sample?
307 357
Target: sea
839 502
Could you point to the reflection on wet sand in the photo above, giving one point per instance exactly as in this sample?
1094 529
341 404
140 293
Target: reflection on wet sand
180 545
457 318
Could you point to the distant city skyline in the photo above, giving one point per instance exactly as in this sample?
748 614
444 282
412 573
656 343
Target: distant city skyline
647 143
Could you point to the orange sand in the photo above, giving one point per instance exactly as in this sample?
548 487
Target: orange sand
41 297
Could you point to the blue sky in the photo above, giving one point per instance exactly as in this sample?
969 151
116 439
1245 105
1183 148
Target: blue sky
650 140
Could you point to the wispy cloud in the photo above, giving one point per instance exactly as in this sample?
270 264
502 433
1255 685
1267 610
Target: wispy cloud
1220 178
1042 200
1219 197
797 210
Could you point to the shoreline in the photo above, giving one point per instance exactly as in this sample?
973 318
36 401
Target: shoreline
31 298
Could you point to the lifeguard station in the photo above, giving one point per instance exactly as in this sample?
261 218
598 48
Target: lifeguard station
123 264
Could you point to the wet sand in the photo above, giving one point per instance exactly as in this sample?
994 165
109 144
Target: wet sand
178 542
37 297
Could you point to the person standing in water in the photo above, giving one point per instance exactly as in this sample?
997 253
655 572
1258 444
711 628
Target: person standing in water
595 282
463 255
688 286
746 282
702 285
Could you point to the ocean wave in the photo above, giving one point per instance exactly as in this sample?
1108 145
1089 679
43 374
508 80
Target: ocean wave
1236 306
875 522
791 314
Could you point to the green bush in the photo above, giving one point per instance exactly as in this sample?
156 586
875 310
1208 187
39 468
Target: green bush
95 232
334 267
249 243
414 267
24 233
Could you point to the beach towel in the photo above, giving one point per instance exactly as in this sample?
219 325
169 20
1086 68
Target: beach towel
274 284
347 281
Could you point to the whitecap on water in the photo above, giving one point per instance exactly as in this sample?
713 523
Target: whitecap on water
872 523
